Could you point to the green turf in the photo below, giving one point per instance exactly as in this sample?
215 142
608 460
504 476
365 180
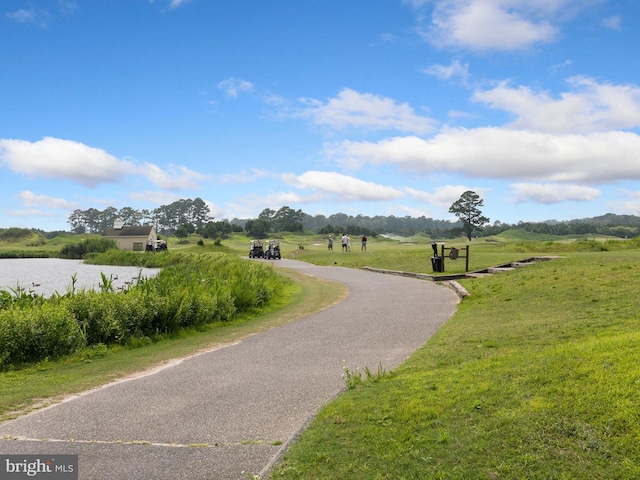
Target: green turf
537 376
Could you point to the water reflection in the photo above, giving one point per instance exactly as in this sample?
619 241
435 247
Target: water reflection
45 276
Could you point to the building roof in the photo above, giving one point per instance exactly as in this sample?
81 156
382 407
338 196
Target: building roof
127 232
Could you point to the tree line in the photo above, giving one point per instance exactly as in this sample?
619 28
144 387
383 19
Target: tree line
166 218
187 216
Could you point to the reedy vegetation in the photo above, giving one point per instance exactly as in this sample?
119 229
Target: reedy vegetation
192 290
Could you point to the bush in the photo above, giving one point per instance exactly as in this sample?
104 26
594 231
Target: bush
97 315
136 259
194 291
33 334
15 234
198 290
87 246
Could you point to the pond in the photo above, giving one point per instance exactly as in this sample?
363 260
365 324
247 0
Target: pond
46 276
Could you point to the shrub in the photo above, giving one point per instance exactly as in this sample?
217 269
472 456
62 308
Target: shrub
15 234
195 290
33 334
97 315
87 246
136 259
110 317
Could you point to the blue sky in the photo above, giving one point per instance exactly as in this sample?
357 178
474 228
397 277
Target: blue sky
372 107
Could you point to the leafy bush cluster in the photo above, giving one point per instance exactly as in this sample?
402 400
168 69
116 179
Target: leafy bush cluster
15 234
198 290
79 250
32 334
135 259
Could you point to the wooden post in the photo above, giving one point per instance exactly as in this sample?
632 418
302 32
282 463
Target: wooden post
466 260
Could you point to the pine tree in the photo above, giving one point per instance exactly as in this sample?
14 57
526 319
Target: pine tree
466 209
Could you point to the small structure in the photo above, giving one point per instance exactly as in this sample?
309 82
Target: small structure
437 261
131 238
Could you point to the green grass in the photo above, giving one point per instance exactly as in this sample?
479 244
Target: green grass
412 256
537 376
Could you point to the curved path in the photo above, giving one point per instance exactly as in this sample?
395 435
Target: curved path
232 410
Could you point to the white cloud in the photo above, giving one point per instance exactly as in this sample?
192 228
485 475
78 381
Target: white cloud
275 200
155 197
504 154
351 109
177 3
30 199
341 187
176 178
560 66
214 210
553 193
493 24
453 71
631 194
23 16
403 210
631 206
443 196
42 17
66 159
613 22
67 7
232 87
591 106
89 166
32 212
244 176
36 17
501 25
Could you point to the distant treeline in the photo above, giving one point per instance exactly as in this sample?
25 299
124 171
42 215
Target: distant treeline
185 217
622 226
166 218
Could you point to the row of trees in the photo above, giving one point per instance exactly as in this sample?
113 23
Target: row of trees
284 220
573 227
166 219
184 217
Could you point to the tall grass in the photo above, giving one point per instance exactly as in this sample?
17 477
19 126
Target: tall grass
137 259
33 334
195 291
79 250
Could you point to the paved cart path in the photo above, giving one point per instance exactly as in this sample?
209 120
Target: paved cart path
229 411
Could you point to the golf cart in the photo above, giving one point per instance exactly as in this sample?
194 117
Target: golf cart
255 249
273 250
